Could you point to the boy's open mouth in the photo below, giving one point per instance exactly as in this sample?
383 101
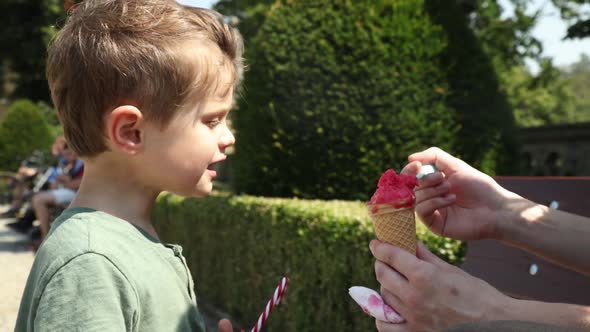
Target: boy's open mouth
211 166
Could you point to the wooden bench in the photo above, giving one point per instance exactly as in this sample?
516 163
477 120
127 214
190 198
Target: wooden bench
521 274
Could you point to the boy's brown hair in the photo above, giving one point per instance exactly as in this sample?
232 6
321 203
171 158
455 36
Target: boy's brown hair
155 54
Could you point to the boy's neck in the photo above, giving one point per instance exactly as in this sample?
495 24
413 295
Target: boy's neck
115 190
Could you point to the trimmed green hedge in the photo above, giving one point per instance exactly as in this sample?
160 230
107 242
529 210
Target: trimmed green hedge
238 248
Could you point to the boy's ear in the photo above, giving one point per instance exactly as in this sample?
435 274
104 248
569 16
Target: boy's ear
125 128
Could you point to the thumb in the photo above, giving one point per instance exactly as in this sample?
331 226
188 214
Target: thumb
412 168
441 159
424 254
224 325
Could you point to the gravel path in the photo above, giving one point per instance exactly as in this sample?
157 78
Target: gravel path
15 263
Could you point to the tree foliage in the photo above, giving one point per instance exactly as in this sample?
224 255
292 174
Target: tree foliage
536 99
487 135
507 40
578 77
26 29
542 99
577 13
250 14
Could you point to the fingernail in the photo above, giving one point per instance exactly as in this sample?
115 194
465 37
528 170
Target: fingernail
451 197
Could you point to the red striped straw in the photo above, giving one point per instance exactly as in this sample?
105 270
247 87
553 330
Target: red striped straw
274 301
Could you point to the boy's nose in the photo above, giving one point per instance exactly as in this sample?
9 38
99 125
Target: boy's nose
226 139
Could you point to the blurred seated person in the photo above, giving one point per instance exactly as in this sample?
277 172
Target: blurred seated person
25 177
62 192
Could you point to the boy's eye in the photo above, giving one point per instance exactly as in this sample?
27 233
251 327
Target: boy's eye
213 123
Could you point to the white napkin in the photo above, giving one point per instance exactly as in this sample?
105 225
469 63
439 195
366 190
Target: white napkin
373 305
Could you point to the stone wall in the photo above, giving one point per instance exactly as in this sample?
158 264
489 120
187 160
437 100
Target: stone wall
558 150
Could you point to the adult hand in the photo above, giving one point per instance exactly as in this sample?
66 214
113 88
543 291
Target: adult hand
429 293
458 201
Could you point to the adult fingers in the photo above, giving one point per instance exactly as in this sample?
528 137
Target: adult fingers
424 254
426 209
435 222
391 279
395 257
430 180
388 327
393 301
423 194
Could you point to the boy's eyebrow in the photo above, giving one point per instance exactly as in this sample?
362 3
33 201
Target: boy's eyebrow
219 111
226 107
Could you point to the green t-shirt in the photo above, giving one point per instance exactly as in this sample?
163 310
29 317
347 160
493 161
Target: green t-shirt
96 272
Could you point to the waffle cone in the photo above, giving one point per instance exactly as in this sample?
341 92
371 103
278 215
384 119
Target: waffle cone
395 226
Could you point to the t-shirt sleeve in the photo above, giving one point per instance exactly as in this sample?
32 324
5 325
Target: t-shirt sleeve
89 293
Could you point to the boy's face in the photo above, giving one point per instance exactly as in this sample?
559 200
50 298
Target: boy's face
180 158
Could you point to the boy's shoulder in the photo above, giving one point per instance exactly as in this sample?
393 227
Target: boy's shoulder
81 231
90 255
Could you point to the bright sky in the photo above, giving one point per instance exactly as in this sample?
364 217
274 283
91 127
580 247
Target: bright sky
550 30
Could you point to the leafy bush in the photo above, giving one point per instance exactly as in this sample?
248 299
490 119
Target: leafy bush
50 115
238 248
22 131
339 91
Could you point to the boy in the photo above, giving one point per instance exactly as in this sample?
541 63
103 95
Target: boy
143 89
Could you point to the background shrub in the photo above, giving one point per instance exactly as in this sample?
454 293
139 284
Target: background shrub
23 129
238 248
487 136
50 116
338 91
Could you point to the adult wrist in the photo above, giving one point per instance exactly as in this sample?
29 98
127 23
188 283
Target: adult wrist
555 314
516 213
505 308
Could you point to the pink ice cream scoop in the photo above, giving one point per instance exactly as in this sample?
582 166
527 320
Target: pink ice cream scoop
373 305
396 190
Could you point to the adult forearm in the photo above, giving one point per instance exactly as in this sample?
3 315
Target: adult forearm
558 314
558 236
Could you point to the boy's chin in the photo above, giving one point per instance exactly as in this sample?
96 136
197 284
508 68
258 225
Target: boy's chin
199 191
203 190
202 194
